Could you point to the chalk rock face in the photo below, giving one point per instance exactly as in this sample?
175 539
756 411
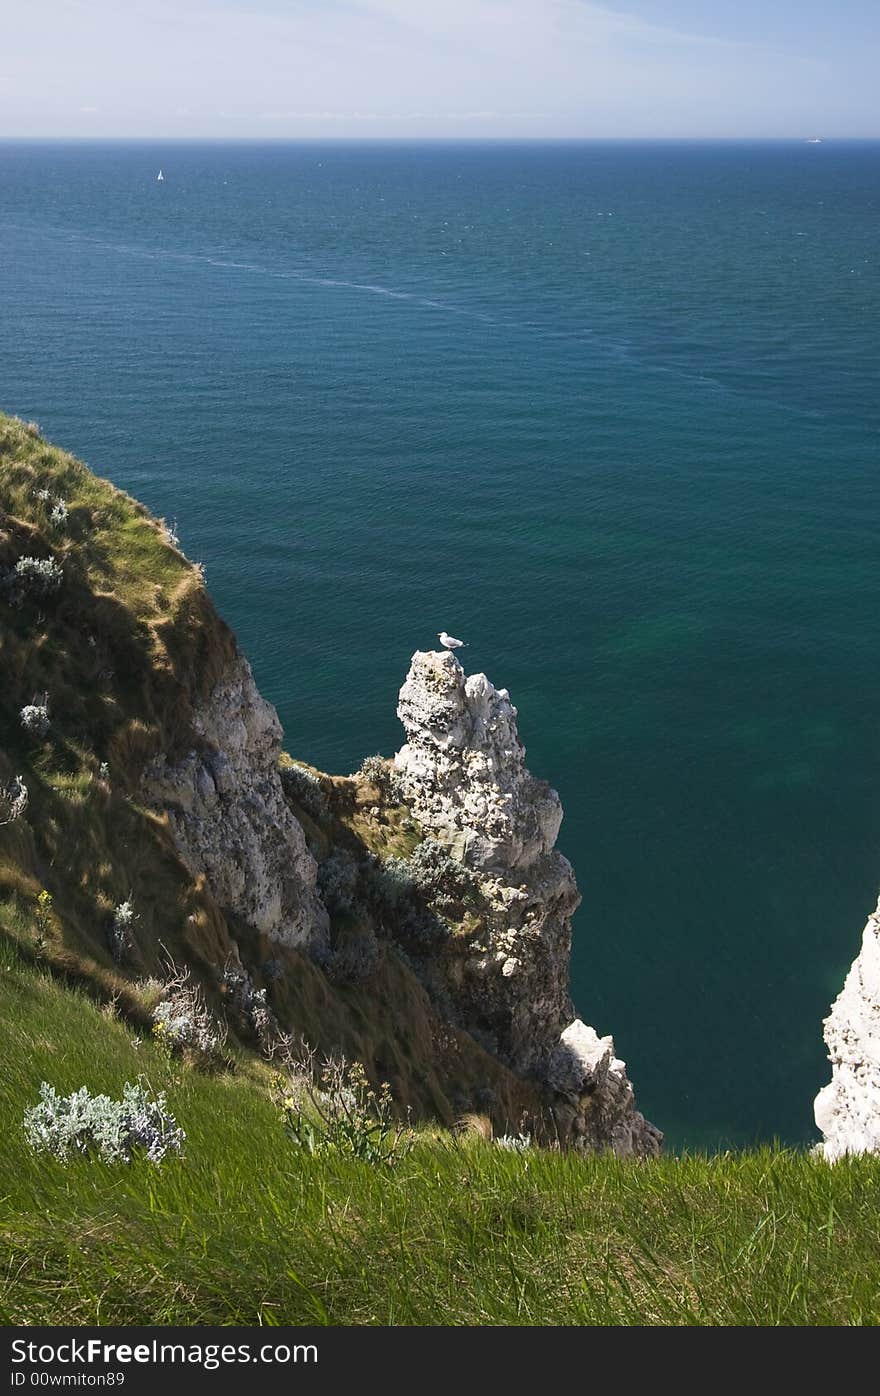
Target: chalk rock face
847 1110
463 774
462 771
596 1106
463 767
230 820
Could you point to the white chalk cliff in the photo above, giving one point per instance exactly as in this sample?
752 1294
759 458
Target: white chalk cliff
847 1110
502 973
230 820
462 772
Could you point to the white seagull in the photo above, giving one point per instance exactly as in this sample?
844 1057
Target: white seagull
449 642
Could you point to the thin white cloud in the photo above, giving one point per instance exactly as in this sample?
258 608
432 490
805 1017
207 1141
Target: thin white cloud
517 67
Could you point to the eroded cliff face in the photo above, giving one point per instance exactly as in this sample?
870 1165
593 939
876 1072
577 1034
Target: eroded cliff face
462 772
847 1110
500 974
230 820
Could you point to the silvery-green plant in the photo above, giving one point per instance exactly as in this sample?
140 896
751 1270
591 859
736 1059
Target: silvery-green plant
338 881
35 577
182 1020
391 880
95 1125
59 513
436 873
120 934
13 801
515 1143
251 1003
353 957
381 773
306 789
34 718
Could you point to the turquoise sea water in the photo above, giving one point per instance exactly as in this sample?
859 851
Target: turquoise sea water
608 411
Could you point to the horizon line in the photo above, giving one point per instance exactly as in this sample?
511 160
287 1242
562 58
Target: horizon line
459 139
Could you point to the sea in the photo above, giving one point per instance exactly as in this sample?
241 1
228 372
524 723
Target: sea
609 412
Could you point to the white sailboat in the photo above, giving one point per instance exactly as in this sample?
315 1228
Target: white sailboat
160 178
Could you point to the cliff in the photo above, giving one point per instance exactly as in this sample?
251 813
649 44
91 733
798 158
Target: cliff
415 915
847 1110
505 976
229 818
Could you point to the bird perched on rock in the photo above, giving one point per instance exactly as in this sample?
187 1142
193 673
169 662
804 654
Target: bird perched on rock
449 642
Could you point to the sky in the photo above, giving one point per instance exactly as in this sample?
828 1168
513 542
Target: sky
439 68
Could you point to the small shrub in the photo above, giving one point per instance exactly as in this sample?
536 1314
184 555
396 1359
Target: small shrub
13 801
183 1022
250 1003
353 957
34 579
58 512
378 771
306 790
439 876
391 882
95 1125
43 919
34 718
338 882
330 1107
120 934
514 1143
403 901
423 896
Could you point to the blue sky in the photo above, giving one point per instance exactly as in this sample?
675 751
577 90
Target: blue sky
443 68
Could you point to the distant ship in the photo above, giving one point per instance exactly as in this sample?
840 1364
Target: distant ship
813 140
160 178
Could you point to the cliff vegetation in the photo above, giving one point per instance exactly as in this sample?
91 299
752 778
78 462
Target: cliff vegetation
185 906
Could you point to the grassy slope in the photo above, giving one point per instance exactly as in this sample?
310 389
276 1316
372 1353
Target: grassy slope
124 650
244 1229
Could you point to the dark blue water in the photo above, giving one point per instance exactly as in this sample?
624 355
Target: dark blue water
611 413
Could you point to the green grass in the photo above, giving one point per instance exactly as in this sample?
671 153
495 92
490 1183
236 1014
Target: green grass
246 1230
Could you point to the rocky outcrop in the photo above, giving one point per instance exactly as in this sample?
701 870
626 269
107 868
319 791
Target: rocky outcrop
847 1110
500 969
463 767
595 1105
462 772
229 817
